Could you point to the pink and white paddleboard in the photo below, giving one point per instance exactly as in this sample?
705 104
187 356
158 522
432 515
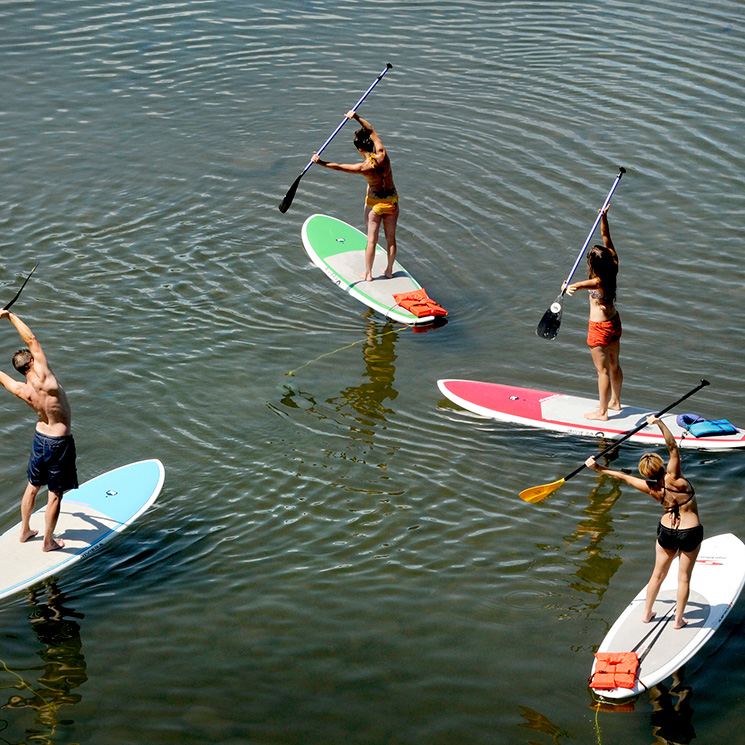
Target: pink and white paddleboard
562 413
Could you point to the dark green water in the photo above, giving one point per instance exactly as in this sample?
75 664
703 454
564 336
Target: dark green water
339 555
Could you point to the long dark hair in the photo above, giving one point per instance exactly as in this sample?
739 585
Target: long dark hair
602 263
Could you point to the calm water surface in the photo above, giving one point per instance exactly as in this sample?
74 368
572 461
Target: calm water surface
338 554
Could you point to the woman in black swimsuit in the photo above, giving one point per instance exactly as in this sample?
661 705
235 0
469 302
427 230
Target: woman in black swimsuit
680 529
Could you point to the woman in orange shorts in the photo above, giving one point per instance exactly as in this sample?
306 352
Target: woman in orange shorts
604 332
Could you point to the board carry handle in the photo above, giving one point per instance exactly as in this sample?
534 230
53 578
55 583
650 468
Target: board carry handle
537 493
287 201
548 327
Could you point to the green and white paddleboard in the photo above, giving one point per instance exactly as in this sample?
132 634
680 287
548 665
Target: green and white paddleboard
339 250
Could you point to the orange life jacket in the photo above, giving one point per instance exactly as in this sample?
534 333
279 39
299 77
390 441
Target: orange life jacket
615 670
419 303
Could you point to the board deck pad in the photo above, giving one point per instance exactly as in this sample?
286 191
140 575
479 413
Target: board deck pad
89 516
716 583
339 250
564 413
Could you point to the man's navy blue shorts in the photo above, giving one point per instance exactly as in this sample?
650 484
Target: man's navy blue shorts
52 462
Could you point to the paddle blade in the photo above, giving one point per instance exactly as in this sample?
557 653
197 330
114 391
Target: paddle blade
287 201
537 493
548 326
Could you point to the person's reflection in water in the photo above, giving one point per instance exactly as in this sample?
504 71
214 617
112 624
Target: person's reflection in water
672 715
64 665
379 355
598 565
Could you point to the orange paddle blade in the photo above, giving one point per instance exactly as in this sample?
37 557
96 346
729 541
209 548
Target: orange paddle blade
537 493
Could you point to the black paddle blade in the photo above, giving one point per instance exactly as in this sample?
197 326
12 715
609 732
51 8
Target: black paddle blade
548 326
287 201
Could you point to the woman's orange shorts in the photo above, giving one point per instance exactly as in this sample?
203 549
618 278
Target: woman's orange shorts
604 333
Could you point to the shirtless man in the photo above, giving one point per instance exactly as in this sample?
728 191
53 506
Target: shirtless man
52 459
381 200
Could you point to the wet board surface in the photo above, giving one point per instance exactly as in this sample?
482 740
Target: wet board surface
563 413
716 583
339 250
90 515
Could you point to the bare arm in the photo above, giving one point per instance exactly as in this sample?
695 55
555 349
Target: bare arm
41 366
11 384
345 167
673 465
605 230
586 284
634 481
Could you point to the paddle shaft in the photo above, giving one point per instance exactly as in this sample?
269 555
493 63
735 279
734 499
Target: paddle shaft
287 201
18 294
621 171
632 432
345 120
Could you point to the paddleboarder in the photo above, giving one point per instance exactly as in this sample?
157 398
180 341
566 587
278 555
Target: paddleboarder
679 530
52 459
381 199
604 330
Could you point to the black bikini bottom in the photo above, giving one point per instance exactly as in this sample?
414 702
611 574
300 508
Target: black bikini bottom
674 539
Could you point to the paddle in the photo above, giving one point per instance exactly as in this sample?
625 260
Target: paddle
537 493
287 201
18 294
548 326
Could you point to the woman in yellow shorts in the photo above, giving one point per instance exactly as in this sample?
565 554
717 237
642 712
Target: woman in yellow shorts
604 332
381 200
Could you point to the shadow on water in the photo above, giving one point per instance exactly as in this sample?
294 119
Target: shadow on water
57 630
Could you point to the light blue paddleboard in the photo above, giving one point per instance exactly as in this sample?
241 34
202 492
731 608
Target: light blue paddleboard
339 250
89 516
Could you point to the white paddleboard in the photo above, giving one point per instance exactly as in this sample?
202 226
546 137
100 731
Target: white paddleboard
89 516
563 413
339 250
716 583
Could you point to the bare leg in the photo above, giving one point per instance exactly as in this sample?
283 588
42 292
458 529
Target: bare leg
27 508
616 375
685 569
389 225
372 221
601 360
663 560
51 516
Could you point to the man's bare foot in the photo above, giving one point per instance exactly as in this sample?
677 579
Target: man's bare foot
683 622
647 620
367 276
28 534
389 273
597 415
615 406
57 543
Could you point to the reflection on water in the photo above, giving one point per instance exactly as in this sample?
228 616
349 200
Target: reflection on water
64 669
368 397
536 721
672 715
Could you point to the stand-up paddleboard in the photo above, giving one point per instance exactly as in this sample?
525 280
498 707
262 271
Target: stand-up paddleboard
716 583
89 516
562 413
339 250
